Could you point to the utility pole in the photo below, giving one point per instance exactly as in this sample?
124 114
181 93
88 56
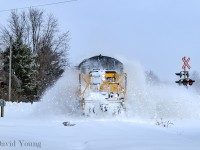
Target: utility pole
10 69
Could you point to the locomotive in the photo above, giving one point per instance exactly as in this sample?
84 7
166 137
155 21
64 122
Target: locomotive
103 85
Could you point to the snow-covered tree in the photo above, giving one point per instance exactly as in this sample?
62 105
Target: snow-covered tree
24 69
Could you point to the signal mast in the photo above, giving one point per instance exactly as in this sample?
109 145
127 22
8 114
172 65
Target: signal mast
184 75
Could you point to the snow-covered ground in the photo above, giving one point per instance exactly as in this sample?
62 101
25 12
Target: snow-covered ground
31 132
39 125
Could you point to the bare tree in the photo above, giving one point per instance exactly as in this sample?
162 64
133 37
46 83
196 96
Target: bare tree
17 28
51 53
36 21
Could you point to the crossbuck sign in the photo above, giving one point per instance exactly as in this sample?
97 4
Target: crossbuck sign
185 61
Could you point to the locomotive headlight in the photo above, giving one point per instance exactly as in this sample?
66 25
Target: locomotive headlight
103 77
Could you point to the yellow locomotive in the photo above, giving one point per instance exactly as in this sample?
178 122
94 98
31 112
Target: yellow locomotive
102 85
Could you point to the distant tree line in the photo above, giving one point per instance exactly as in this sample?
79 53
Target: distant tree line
151 78
39 53
196 76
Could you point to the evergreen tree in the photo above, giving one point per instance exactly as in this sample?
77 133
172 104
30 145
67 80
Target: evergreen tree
24 69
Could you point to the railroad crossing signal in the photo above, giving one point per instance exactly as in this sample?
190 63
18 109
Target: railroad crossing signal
185 74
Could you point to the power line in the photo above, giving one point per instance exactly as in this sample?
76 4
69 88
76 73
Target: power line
48 4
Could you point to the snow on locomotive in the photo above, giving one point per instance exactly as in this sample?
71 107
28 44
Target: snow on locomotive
102 85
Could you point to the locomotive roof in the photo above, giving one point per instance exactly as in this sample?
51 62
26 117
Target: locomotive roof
100 62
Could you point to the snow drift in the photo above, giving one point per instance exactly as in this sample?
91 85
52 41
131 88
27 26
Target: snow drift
62 97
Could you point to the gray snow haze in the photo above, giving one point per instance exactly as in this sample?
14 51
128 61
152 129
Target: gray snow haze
156 33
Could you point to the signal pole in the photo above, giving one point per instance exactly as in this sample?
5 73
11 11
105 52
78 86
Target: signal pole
184 58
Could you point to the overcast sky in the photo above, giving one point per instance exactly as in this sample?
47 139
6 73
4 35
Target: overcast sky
157 33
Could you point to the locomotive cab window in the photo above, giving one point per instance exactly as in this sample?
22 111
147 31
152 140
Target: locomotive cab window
110 76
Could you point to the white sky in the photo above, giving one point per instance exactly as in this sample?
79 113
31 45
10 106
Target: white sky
157 33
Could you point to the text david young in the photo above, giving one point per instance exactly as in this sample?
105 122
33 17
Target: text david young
20 143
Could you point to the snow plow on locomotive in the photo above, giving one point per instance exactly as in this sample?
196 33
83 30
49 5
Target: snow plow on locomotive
102 85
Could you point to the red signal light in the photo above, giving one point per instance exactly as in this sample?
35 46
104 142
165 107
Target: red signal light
2 84
191 82
184 82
